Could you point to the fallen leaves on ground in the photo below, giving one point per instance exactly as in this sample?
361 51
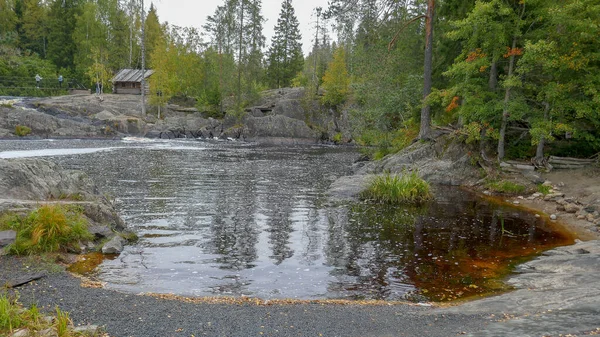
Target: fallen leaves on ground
261 302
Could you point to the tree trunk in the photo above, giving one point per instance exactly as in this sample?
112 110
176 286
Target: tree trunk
505 112
539 151
240 44
492 83
425 129
143 61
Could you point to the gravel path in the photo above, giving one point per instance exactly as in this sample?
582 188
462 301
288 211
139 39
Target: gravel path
133 315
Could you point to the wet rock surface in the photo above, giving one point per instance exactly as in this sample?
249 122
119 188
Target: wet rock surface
557 293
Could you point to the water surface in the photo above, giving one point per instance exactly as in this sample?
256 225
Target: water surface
226 218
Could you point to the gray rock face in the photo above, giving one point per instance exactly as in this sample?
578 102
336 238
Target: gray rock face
280 114
114 246
7 237
278 126
557 293
25 183
46 125
37 179
444 162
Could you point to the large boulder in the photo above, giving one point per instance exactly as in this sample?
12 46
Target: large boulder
27 183
445 161
278 126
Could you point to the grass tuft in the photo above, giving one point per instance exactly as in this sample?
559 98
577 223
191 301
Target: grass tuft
22 130
398 189
10 317
544 189
505 186
13 316
50 228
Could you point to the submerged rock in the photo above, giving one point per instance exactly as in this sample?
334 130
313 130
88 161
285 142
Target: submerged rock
114 246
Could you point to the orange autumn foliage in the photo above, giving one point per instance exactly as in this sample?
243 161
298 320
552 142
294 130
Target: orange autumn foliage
453 105
510 52
474 55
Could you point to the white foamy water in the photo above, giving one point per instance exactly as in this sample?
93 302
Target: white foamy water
50 152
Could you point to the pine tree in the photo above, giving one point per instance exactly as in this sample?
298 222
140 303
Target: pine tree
285 54
61 25
154 32
8 17
33 35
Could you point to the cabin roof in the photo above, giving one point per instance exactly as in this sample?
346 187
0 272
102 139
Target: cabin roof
131 75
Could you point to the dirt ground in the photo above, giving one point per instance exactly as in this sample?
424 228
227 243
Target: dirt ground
580 185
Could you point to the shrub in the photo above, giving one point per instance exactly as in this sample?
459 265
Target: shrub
50 228
22 130
337 138
505 186
396 189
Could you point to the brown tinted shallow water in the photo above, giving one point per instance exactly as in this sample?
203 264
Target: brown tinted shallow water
239 219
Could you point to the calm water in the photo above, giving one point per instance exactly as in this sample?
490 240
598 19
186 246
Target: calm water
228 218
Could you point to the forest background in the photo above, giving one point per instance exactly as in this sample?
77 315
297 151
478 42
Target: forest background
521 78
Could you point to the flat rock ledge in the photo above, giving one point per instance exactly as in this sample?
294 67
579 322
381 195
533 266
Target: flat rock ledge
26 184
558 292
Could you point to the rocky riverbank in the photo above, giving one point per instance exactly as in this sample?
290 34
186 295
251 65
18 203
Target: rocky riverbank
27 184
282 116
555 294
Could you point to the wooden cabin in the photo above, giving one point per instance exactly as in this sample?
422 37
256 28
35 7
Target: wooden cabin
129 81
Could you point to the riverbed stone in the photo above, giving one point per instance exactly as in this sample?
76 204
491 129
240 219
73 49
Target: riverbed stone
571 208
114 246
86 330
21 333
553 217
7 237
553 196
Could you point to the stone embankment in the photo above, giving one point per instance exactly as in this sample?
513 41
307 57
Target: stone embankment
25 184
279 116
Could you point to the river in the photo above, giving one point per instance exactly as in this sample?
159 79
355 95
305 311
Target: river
231 218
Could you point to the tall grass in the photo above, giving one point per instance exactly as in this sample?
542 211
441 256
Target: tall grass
13 316
50 228
10 318
63 322
398 189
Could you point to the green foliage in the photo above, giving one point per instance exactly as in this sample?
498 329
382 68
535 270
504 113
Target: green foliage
22 130
505 186
544 189
398 189
378 144
50 228
336 80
